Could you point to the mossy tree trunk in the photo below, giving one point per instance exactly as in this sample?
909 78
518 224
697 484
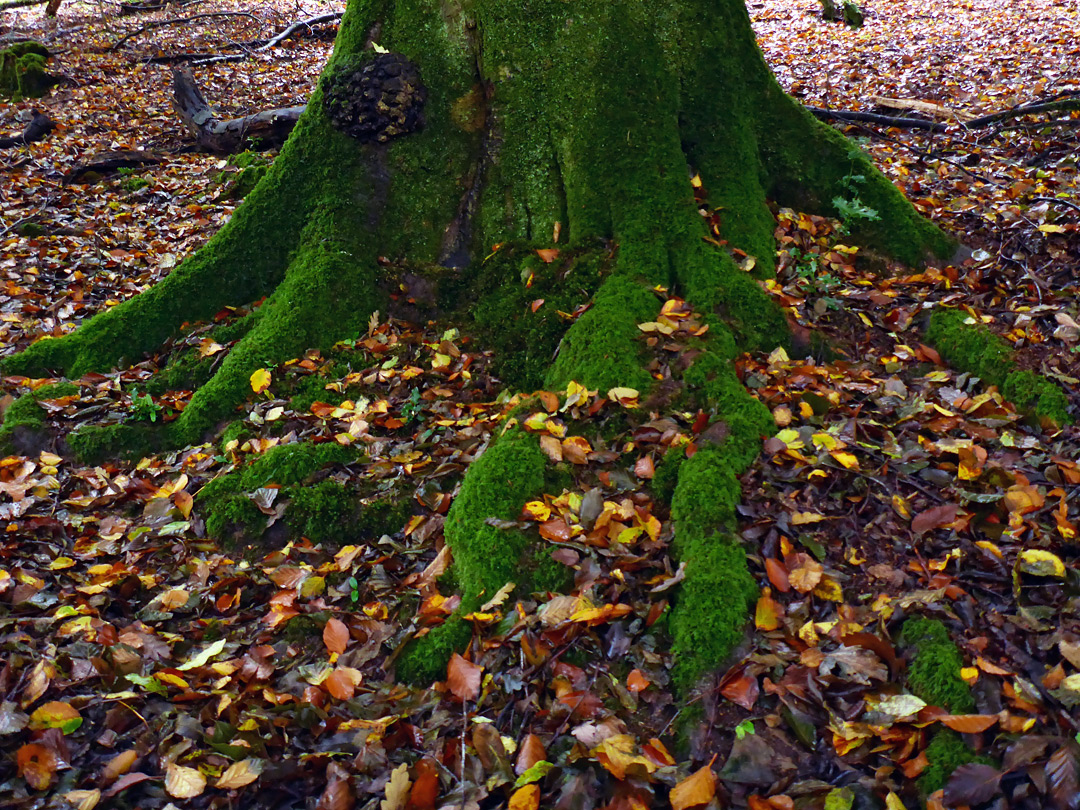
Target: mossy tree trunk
503 121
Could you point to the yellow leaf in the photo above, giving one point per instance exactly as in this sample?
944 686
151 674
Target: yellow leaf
892 802
175 680
240 774
829 589
801 518
183 783
60 563
768 612
697 789
1022 499
1052 228
537 510
1040 563
848 460
618 754
55 714
83 799
397 789
260 381
526 798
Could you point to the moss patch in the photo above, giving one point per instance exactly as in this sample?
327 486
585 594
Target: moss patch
974 348
24 421
22 71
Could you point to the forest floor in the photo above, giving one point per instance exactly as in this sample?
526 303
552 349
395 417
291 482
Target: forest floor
147 664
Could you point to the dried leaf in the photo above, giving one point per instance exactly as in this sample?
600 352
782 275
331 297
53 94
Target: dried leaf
697 789
56 714
335 636
526 798
934 518
1063 778
182 782
463 678
973 783
36 764
260 380
425 786
240 774
969 723
397 789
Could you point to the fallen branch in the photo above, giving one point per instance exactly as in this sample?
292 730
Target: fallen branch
127 9
269 128
256 44
900 122
296 26
37 130
21 4
177 21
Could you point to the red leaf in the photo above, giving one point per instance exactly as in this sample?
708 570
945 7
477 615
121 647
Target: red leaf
777 575
531 751
742 690
934 518
972 784
425 786
463 678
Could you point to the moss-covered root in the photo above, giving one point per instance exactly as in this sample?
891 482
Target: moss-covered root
22 71
23 428
709 613
812 167
934 675
486 558
974 348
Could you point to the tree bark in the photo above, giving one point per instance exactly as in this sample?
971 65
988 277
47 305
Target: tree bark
436 133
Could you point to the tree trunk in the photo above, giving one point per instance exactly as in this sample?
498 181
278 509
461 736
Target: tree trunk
436 133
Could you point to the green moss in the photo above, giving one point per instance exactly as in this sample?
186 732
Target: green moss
185 371
974 348
330 511
499 303
934 673
25 418
22 71
230 512
946 752
93 444
425 660
603 348
667 474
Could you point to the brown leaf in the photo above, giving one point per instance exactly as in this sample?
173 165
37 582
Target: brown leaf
118 766
933 518
697 789
643 468
973 783
1063 777
463 678
555 530
742 690
531 751
397 788
547 255
335 636
338 794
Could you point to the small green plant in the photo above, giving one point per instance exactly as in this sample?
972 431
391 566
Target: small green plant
851 208
744 728
144 409
354 589
412 406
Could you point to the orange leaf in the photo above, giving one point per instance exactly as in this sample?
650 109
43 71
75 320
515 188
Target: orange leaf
336 636
526 798
768 612
36 765
531 751
425 786
55 714
118 766
342 682
636 681
644 467
696 789
548 255
778 575
969 723
463 678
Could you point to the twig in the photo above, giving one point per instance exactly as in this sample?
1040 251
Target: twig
1064 102
1058 201
296 26
177 21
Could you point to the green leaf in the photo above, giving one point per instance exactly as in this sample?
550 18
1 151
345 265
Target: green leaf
534 774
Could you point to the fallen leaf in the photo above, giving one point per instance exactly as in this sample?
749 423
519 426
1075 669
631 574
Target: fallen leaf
335 636
973 783
183 783
697 789
240 774
397 788
260 380
463 678
36 764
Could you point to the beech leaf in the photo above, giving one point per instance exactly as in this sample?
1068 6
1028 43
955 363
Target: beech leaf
973 783
463 678
183 783
695 790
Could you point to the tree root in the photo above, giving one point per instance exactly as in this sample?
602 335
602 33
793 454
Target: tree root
37 130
